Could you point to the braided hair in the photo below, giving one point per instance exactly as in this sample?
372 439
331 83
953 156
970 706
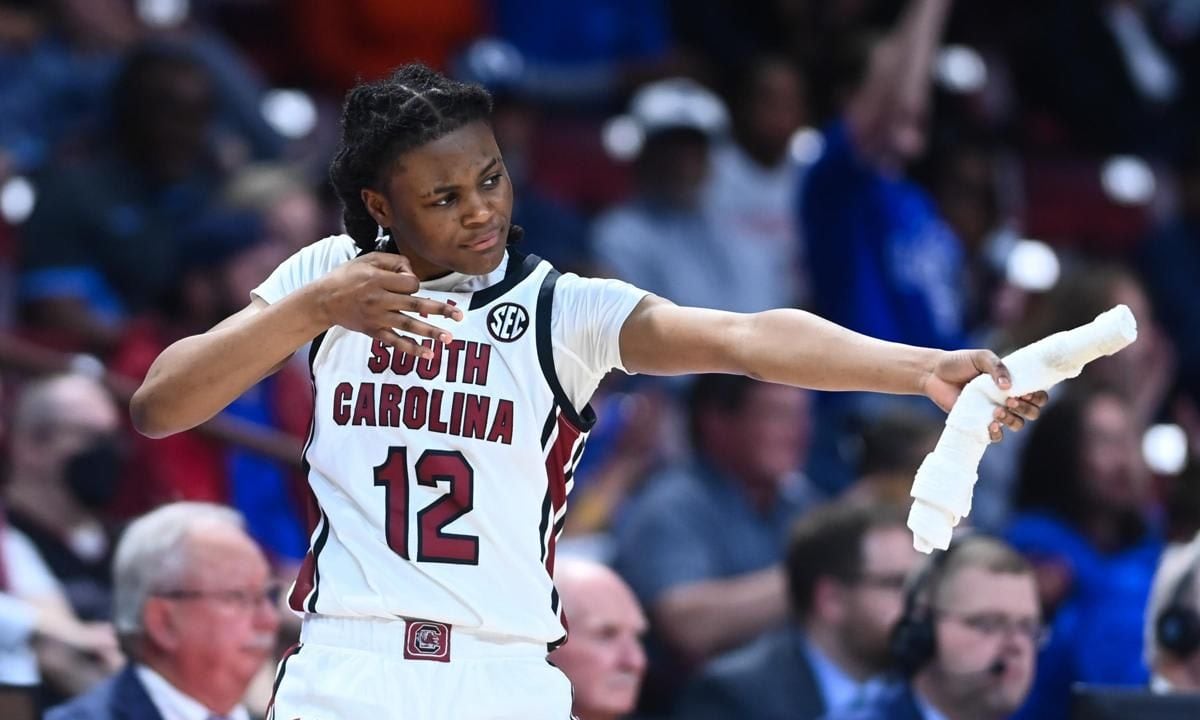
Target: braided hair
384 119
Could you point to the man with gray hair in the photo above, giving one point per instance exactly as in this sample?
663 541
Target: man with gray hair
194 610
1173 621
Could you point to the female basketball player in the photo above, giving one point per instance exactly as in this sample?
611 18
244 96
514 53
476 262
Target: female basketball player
451 377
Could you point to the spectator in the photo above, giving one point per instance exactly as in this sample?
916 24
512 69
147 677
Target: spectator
846 567
289 207
105 238
883 261
967 640
1144 371
603 657
1170 264
37 623
754 178
221 274
1086 59
710 571
194 613
881 258
664 238
891 449
1173 621
64 463
1085 522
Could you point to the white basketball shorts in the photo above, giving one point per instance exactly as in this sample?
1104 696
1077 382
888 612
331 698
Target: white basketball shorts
356 668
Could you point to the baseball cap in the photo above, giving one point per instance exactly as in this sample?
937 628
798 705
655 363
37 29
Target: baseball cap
671 104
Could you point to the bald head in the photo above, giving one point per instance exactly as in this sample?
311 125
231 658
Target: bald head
603 655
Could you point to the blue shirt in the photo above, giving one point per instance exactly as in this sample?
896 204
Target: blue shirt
839 690
693 524
928 712
1097 634
882 260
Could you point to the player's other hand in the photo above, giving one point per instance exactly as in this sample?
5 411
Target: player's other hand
373 294
953 370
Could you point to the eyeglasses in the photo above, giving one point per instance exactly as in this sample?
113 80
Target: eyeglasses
243 599
994 623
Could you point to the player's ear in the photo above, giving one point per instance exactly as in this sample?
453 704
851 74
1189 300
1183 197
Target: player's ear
378 206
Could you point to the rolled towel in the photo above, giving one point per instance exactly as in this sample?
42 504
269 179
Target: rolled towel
945 481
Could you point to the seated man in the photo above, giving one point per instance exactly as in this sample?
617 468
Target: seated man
195 614
846 567
603 656
967 641
1173 621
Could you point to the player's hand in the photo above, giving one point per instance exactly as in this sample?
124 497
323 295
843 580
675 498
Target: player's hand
373 294
953 370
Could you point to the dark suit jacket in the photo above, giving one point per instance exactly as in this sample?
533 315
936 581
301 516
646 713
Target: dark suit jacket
895 703
121 697
769 679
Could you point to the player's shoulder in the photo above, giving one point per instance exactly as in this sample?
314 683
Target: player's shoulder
331 250
318 258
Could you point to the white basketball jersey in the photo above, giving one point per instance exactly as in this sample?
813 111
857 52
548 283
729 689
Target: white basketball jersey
441 484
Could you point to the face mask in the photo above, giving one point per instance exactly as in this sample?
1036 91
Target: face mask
92 474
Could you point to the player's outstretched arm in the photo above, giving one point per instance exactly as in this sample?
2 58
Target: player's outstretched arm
794 347
197 377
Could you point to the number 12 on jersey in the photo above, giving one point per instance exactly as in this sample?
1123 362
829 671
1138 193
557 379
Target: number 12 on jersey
432 468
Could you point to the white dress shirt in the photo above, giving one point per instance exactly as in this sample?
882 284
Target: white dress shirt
175 705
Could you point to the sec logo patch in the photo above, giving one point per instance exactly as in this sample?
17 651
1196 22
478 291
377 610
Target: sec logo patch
507 322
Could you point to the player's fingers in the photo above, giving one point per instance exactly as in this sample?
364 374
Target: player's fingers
389 261
994 432
1009 419
402 343
986 361
400 282
426 306
409 324
1039 398
1023 408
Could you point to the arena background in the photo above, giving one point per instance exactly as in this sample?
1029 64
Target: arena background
158 158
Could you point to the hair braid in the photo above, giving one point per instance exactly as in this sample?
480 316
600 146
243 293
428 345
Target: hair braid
381 120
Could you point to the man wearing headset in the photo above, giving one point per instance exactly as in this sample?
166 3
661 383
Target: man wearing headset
1173 621
967 641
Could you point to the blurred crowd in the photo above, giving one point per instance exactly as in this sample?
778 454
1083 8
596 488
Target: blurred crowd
941 173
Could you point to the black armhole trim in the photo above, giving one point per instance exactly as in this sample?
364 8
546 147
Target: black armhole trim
519 268
583 421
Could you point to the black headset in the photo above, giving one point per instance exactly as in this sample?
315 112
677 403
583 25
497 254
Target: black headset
1177 627
913 641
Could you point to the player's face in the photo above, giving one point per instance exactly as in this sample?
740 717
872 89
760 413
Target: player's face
448 203
603 656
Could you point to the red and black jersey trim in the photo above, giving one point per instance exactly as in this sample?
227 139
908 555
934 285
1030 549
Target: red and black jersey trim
288 655
304 591
519 267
